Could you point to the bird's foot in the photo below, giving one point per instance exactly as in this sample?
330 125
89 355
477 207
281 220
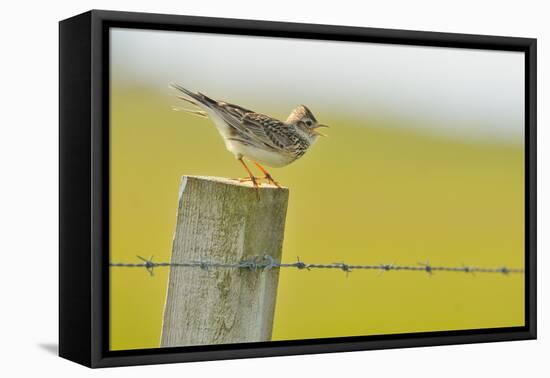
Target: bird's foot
268 178
249 179
271 180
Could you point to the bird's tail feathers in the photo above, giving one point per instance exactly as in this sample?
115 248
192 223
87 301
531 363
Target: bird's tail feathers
199 113
197 99
193 102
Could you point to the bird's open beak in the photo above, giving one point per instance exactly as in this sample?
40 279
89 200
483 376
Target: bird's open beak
314 129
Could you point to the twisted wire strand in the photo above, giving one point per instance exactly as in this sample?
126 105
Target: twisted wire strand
267 262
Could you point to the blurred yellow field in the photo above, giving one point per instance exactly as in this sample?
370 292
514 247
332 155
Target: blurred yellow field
376 190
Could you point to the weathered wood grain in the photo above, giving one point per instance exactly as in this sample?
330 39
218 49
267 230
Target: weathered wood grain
222 220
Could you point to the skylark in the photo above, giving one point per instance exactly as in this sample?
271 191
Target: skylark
259 138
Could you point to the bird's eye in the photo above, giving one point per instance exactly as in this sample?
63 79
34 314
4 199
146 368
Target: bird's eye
308 122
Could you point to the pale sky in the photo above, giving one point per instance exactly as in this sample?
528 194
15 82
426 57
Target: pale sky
460 92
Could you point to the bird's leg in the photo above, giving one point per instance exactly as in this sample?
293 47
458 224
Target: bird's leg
267 175
252 178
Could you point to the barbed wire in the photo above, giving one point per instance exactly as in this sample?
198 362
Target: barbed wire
267 262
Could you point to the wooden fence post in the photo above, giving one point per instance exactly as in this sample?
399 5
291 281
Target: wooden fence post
222 220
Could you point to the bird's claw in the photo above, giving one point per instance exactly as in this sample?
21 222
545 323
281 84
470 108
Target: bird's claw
253 180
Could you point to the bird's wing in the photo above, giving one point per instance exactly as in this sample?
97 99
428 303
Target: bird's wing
258 129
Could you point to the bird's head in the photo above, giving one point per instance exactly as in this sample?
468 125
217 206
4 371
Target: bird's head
305 121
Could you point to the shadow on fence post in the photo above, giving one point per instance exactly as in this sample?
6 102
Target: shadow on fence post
222 220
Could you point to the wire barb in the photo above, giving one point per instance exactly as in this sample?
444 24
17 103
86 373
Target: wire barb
427 267
346 268
299 264
148 264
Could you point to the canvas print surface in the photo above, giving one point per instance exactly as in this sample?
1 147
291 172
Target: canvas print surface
404 215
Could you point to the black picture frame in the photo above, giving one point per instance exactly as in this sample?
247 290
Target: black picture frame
84 187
